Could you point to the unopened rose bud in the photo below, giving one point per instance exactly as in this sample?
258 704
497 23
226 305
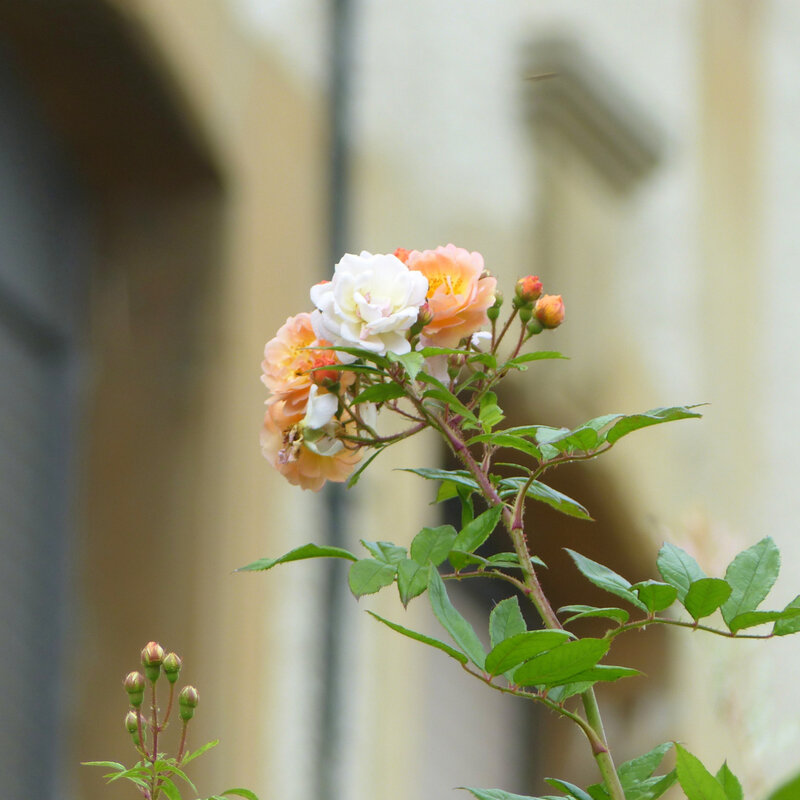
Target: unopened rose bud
132 722
187 701
528 289
534 327
455 364
134 686
424 317
402 254
549 310
493 312
152 656
326 378
172 666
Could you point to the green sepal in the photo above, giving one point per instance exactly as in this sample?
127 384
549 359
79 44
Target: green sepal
421 637
299 554
368 575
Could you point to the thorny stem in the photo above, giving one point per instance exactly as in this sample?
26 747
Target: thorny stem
513 523
154 754
643 623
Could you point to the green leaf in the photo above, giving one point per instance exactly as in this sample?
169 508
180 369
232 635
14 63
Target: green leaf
705 596
504 439
385 551
570 788
412 362
449 400
412 580
170 790
431 545
562 663
487 359
106 764
678 568
637 769
475 534
458 476
461 631
490 414
752 618
583 612
584 438
658 415
379 393
546 494
200 750
509 653
170 764
655 595
496 794
783 627
520 361
652 788
605 578
606 673
787 791
730 783
505 621
358 352
368 576
695 779
421 637
566 690
246 793
298 554
751 575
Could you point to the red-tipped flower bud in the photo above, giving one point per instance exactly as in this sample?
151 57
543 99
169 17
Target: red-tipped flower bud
549 310
187 701
152 656
134 686
402 254
424 317
132 723
493 312
172 666
528 289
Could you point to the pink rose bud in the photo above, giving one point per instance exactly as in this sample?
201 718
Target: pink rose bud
172 666
134 686
402 254
424 317
132 722
549 310
528 289
187 701
153 654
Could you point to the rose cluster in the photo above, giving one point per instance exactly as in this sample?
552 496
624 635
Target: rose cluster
375 306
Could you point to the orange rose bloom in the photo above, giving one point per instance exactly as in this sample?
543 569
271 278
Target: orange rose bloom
287 364
458 296
282 445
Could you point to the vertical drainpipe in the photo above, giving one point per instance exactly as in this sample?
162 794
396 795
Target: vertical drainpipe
328 764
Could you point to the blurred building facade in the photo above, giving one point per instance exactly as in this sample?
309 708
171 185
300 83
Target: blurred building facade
166 203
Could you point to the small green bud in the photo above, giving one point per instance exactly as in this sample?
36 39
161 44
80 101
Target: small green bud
134 686
187 701
132 723
525 314
534 327
172 666
493 312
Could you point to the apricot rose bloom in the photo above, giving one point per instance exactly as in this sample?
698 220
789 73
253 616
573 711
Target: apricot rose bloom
371 303
458 293
288 363
282 443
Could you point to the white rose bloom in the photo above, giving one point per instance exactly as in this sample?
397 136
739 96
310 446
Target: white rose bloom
319 426
371 303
